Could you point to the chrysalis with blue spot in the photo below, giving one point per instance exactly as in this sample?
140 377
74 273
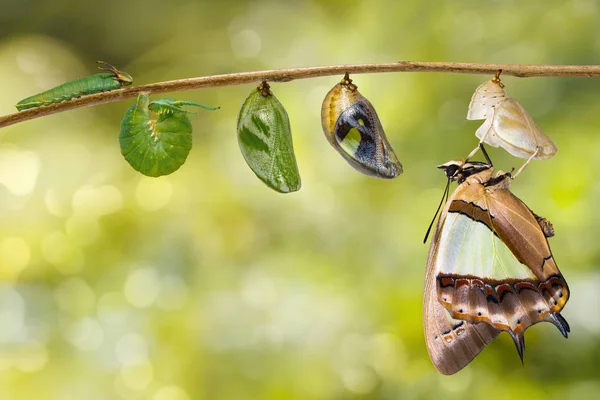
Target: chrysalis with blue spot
265 139
352 127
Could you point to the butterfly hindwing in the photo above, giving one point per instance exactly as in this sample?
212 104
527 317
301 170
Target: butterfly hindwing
451 343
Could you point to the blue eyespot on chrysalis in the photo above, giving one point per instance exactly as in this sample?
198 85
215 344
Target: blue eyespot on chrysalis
265 139
352 126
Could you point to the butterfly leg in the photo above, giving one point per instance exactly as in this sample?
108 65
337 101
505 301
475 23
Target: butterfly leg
472 153
481 141
526 163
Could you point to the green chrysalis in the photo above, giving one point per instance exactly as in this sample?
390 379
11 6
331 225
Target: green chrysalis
157 147
265 139
104 82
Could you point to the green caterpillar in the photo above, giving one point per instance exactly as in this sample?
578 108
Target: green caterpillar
103 82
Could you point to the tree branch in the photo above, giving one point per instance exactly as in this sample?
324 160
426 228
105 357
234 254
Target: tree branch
286 75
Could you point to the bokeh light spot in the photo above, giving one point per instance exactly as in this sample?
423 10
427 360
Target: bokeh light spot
82 230
18 170
171 393
14 257
360 380
30 357
153 194
142 287
173 294
12 315
246 43
132 349
387 354
58 250
75 297
113 308
56 203
137 377
86 334
97 201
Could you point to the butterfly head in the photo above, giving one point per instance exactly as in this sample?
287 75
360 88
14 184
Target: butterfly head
458 170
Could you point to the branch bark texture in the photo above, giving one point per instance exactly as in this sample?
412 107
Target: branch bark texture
286 75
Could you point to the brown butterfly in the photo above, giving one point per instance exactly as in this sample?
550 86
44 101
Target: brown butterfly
490 269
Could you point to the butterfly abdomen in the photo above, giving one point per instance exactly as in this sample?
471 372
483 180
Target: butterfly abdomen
71 90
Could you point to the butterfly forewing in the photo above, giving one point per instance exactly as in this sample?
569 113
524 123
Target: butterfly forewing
451 343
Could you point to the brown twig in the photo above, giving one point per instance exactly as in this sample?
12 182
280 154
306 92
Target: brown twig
286 75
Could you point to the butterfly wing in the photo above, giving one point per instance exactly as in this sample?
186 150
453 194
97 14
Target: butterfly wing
451 343
492 269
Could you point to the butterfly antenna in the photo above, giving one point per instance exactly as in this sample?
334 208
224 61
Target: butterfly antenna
444 197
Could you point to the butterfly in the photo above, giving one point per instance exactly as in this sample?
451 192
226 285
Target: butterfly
351 125
507 124
490 269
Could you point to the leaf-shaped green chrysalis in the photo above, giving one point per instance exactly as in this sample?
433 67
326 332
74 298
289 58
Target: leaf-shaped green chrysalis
157 147
265 139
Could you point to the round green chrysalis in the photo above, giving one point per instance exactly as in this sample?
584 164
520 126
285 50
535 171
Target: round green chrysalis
156 147
265 139
352 127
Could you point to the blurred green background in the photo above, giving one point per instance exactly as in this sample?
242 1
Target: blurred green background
206 284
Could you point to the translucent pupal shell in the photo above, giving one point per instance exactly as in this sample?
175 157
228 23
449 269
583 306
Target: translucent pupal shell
511 128
351 125
265 139
486 96
507 124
